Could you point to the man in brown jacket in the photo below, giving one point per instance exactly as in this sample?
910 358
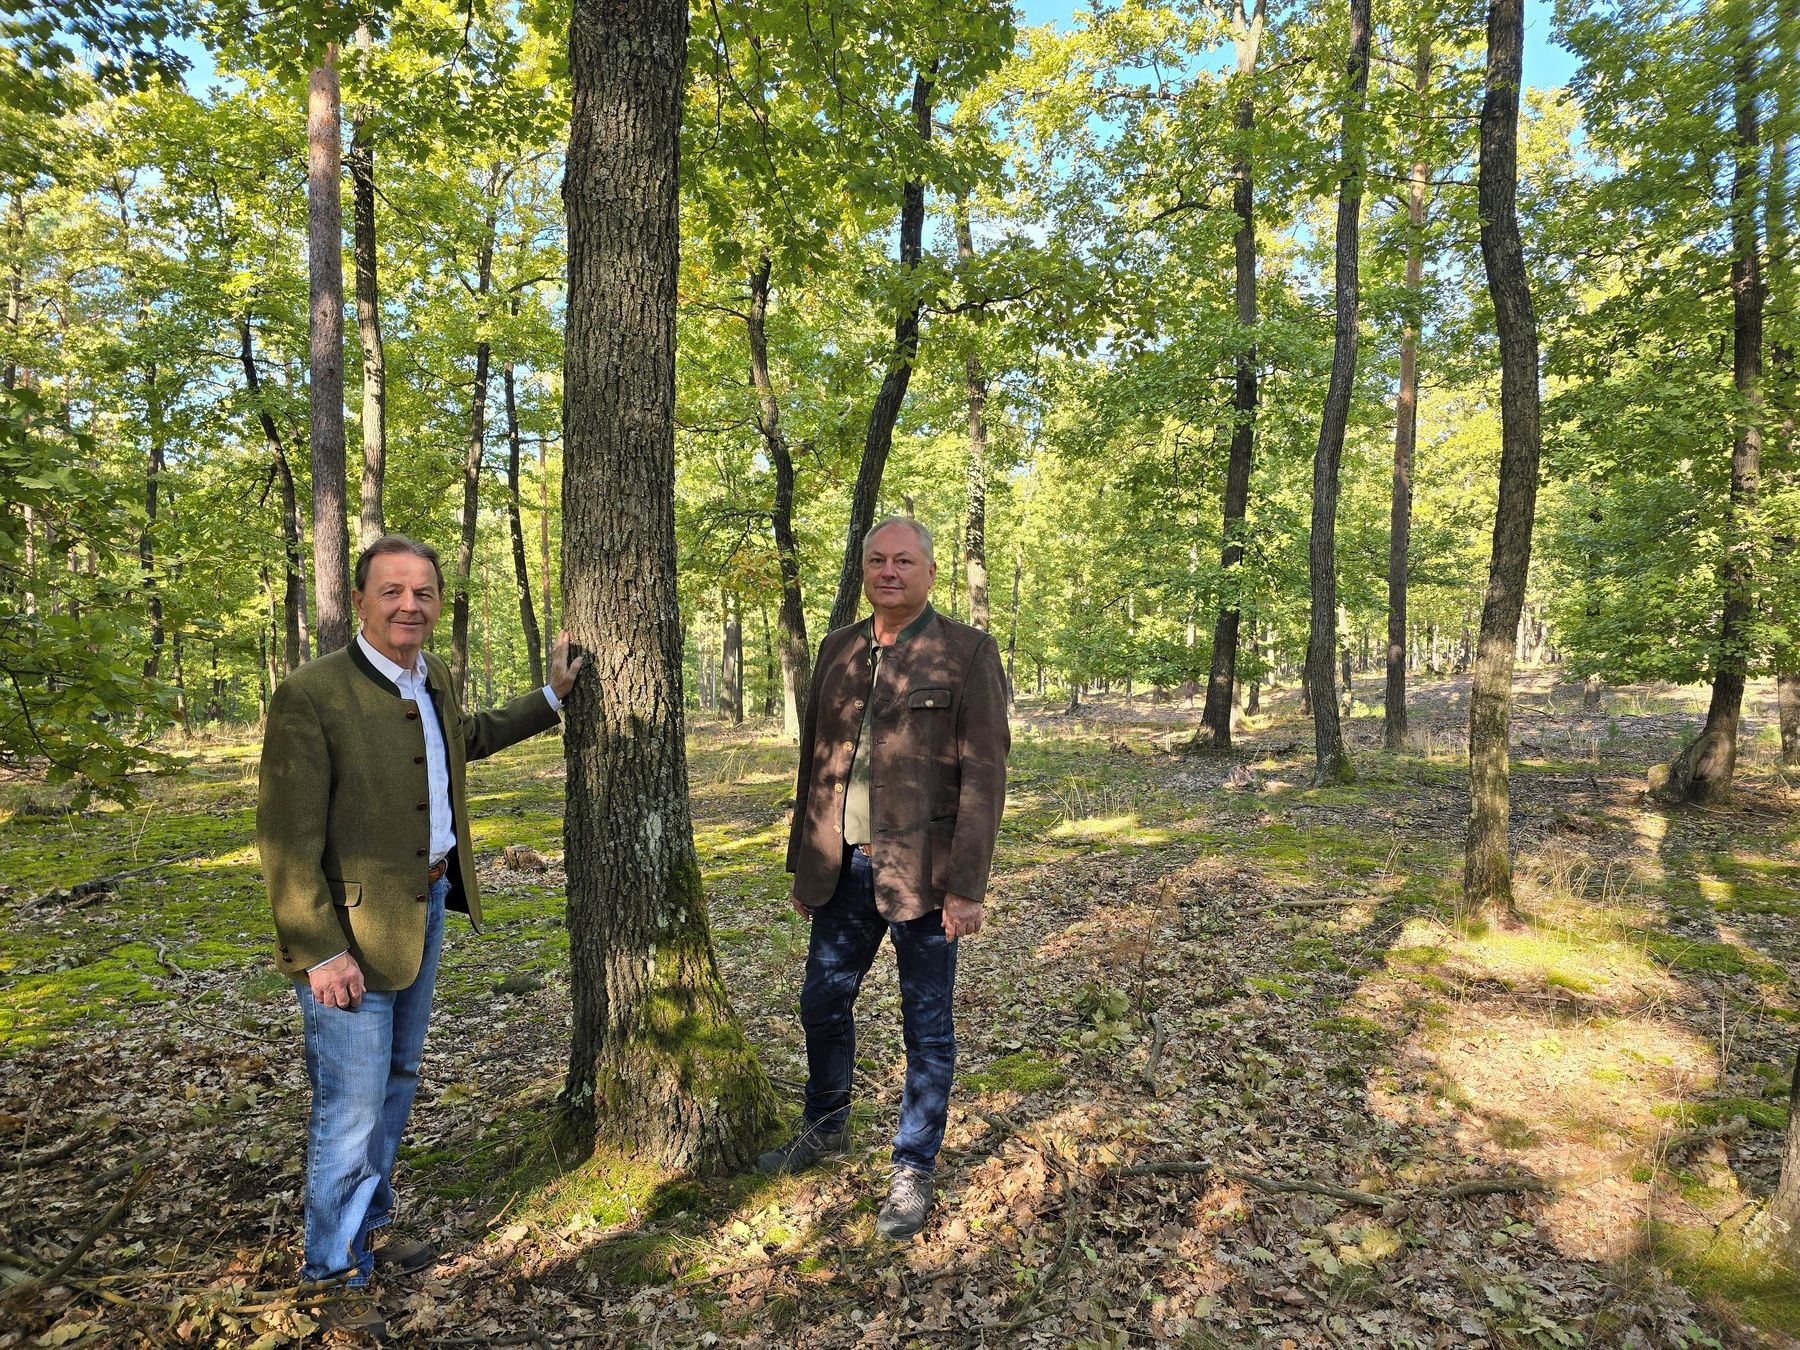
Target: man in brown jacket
362 821
901 783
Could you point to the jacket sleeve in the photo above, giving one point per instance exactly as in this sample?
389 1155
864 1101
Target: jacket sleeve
293 806
484 733
809 727
983 739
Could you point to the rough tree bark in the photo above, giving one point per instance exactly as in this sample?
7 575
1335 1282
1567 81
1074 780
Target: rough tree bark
534 646
796 654
1702 772
975 385
1784 413
325 272
368 317
153 470
1406 419
731 663
293 599
1487 859
879 438
471 503
1331 762
1215 717
658 1064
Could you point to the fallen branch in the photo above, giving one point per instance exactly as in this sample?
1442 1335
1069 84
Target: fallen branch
49 1278
127 1167
55 1153
162 958
95 885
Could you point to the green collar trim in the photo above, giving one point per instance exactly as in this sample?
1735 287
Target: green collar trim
911 630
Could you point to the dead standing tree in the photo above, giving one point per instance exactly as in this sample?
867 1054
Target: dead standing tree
658 1064
1487 860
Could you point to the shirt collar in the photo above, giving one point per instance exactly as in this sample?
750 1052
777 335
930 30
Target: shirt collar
911 630
394 672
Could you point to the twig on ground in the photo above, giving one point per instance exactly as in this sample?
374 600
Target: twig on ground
162 958
55 1153
126 1168
50 1277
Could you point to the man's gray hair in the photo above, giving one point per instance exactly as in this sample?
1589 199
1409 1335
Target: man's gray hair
911 524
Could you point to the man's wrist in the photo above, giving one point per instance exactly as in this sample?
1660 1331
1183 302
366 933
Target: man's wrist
328 961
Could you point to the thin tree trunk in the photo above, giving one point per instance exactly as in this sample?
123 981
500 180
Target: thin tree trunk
1215 718
771 668
368 318
1331 761
1703 771
796 654
975 385
659 1067
1487 859
325 270
153 470
471 503
1406 419
879 438
15 287
534 651
1012 638
731 665
293 600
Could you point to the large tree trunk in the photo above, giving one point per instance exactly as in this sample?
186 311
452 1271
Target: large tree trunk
879 438
368 320
1406 419
544 543
293 599
796 654
1487 860
471 503
975 384
1215 717
325 270
1782 298
534 649
658 1065
1703 771
1330 760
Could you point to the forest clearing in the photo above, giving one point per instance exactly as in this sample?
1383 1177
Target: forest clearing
1224 1061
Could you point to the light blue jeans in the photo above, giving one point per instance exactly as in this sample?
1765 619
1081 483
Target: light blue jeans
364 1067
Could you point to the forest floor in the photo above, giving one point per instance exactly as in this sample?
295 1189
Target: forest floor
1224 1062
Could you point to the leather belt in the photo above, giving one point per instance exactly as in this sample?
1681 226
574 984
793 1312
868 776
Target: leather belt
436 874
863 849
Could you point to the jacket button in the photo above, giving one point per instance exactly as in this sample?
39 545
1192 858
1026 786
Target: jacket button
849 745
424 806
931 703
418 759
419 897
837 787
413 716
859 703
422 853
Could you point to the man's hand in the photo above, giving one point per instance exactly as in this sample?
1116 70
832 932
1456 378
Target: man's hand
338 983
803 911
962 916
562 670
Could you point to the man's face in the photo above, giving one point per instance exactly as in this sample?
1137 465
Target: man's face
897 576
400 606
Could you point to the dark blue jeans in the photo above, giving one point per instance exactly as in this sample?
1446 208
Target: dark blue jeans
846 934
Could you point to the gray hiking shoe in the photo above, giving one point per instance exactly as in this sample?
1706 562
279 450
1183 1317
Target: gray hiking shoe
909 1199
811 1145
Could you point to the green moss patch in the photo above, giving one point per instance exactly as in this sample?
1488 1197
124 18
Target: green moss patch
1021 1072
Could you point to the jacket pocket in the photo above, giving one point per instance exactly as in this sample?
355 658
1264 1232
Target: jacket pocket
345 893
924 700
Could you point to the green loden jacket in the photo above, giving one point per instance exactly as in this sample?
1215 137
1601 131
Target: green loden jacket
938 766
342 820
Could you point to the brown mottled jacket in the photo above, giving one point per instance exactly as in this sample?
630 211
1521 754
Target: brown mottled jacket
341 814
938 762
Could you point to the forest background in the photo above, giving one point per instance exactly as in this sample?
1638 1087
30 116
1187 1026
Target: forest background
1074 296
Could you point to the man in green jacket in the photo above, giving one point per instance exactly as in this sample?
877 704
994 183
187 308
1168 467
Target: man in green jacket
362 821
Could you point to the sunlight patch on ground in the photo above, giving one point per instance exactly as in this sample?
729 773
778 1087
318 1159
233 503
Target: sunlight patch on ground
1121 829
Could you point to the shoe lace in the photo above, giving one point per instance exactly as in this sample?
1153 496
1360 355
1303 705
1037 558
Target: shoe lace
909 1189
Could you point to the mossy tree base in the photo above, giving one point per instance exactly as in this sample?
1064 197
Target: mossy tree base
1702 773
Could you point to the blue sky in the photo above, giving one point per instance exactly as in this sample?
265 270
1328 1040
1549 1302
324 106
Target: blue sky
1547 66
